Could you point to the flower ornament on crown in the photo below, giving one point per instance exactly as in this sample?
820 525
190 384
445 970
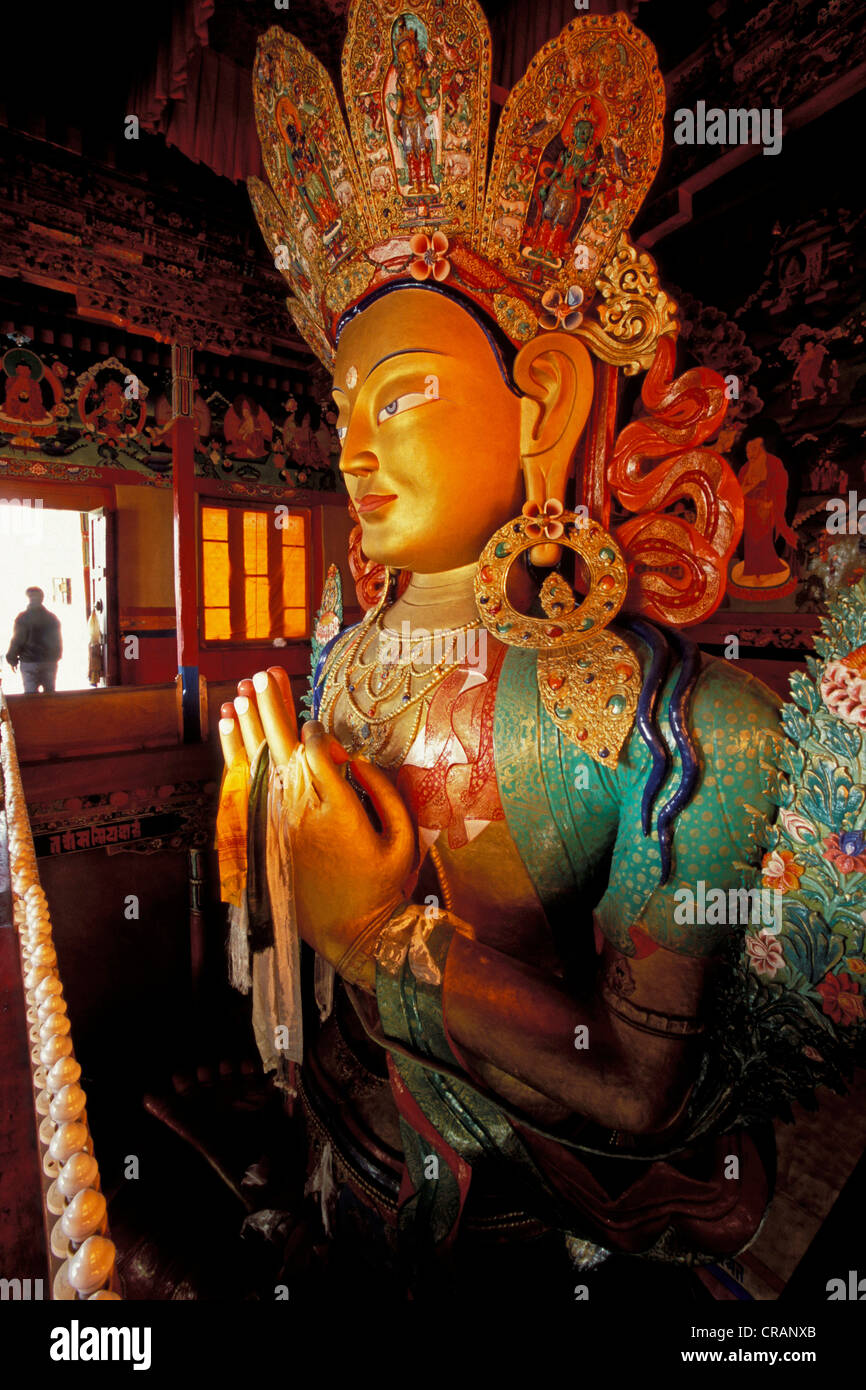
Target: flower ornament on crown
429 253
399 196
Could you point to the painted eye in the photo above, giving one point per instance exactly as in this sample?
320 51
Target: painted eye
401 404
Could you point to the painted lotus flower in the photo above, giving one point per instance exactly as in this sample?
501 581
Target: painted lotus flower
780 870
544 521
847 851
799 829
765 954
429 253
843 687
557 312
841 999
327 627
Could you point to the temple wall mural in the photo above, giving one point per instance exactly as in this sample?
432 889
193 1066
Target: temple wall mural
68 418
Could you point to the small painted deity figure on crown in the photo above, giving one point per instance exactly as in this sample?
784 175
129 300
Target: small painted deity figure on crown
569 173
414 100
305 164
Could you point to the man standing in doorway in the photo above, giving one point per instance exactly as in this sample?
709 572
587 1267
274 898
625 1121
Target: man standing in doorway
37 644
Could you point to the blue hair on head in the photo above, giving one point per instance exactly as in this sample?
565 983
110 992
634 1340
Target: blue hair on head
646 714
678 720
677 713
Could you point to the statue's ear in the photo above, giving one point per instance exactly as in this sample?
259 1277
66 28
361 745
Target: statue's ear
553 372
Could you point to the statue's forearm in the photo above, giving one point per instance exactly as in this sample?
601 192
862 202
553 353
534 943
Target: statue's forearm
618 1063
526 1024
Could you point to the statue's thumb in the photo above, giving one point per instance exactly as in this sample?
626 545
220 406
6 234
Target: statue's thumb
389 806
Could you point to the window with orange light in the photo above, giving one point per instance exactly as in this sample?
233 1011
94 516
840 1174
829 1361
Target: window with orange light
255 574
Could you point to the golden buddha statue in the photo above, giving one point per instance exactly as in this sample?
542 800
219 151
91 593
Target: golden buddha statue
514 773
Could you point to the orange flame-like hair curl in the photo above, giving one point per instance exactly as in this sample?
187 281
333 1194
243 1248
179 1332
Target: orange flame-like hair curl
678 567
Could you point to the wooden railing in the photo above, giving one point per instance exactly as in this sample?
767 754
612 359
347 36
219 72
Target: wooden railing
80 1255
87 723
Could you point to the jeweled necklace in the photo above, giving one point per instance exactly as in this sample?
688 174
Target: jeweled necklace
371 727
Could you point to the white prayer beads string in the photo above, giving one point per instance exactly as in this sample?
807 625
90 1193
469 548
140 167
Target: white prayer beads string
81 1256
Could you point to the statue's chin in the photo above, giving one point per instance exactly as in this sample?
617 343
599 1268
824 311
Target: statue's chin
417 562
397 555
415 553
394 556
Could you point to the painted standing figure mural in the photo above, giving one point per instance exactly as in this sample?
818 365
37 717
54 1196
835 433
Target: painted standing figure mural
497 848
762 573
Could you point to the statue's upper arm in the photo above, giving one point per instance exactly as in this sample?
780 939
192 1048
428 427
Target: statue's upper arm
732 719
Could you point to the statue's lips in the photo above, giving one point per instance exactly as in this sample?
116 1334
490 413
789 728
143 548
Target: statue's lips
373 501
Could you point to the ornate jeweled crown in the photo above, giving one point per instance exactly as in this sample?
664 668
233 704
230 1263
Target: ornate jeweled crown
401 196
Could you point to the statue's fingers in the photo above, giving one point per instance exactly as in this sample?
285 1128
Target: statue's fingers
284 685
339 754
252 729
231 740
279 728
317 747
390 807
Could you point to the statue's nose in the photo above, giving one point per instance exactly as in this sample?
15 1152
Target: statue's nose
359 464
358 457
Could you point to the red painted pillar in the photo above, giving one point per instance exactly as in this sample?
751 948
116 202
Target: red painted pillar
185 533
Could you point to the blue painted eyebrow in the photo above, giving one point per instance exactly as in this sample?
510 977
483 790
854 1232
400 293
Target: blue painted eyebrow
404 352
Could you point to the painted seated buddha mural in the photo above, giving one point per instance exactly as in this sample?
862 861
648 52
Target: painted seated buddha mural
521 784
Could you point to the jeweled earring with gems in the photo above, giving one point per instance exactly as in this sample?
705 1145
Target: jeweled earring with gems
589 680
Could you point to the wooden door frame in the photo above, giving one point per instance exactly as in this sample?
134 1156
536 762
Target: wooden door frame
110 616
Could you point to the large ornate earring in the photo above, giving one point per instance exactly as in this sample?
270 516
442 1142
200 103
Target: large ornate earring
589 679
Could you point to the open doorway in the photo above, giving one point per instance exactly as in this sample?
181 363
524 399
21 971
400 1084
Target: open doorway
46 548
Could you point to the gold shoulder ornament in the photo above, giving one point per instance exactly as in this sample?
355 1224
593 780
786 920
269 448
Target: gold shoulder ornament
589 679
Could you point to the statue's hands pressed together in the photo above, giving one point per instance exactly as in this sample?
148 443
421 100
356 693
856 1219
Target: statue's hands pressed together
348 877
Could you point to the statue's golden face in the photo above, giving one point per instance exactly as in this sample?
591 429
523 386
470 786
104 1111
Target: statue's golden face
430 432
